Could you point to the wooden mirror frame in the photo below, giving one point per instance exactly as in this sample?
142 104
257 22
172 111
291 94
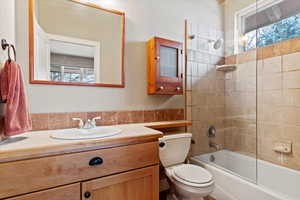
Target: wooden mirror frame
32 42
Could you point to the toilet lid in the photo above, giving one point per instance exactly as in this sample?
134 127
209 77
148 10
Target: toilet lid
193 174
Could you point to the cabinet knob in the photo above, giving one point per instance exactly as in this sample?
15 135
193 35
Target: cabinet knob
157 58
96 161
87 195
162 144
161 88
178 88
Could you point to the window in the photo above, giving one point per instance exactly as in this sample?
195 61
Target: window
72 74
265 23
55 76
283 30
73 59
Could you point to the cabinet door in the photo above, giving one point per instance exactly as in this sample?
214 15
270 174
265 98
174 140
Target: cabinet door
70 192
169 65
140 184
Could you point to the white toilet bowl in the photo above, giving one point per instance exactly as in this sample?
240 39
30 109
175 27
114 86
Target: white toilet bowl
188 182
187 187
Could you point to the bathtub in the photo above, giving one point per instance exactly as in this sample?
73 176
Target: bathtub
235 176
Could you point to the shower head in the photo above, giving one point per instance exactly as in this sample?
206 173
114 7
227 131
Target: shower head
218 44
191 37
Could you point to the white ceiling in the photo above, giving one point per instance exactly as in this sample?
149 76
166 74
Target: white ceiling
73 49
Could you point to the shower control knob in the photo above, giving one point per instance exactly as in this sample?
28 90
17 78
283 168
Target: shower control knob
212 132
161 88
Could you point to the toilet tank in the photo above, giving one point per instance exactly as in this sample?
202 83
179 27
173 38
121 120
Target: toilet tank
174 148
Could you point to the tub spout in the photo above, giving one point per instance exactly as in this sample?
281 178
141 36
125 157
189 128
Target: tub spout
214 145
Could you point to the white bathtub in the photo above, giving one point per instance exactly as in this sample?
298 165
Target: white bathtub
235 176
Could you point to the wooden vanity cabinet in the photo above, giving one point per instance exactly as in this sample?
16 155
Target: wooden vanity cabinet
69 192
133 185
118 173
165 60
140 184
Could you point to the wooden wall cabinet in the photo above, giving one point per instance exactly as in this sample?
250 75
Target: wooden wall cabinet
165 67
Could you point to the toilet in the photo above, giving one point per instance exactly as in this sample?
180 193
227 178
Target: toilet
187 181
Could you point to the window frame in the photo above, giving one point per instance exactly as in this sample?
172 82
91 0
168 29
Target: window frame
241 15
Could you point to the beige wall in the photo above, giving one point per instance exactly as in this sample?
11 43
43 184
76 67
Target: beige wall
87 23
144 20
7 25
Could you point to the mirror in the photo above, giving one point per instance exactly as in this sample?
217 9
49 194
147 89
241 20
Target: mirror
76 43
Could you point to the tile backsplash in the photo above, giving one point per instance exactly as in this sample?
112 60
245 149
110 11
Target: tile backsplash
51 121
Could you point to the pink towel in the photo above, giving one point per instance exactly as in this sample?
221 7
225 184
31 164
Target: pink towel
16 116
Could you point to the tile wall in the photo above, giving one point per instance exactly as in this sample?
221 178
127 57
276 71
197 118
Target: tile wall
278 103
205 87
252 107
279 111
240 105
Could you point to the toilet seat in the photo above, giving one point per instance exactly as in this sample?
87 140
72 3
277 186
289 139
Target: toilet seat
192 175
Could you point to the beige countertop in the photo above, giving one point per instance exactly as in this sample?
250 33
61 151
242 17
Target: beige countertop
40 143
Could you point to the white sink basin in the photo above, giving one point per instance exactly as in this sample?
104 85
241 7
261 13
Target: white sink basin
84 134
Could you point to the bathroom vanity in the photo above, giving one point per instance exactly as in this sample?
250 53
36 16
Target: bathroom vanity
126 166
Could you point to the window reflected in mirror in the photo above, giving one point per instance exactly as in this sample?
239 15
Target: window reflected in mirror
74 62
81 44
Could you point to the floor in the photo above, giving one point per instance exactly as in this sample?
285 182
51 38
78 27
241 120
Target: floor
163 196
209 198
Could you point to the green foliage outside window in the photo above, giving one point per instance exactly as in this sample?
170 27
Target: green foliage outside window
283 30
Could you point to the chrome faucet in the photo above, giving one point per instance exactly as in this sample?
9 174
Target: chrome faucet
89 124
214 145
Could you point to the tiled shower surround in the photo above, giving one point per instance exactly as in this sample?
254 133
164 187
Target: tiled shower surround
252 107
51 121
240 106
276 102
205 88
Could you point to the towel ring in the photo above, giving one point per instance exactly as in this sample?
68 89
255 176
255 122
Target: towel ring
14 50
7 46
4 44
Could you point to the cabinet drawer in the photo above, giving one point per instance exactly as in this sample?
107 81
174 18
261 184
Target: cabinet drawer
70 192
139 184
31 175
